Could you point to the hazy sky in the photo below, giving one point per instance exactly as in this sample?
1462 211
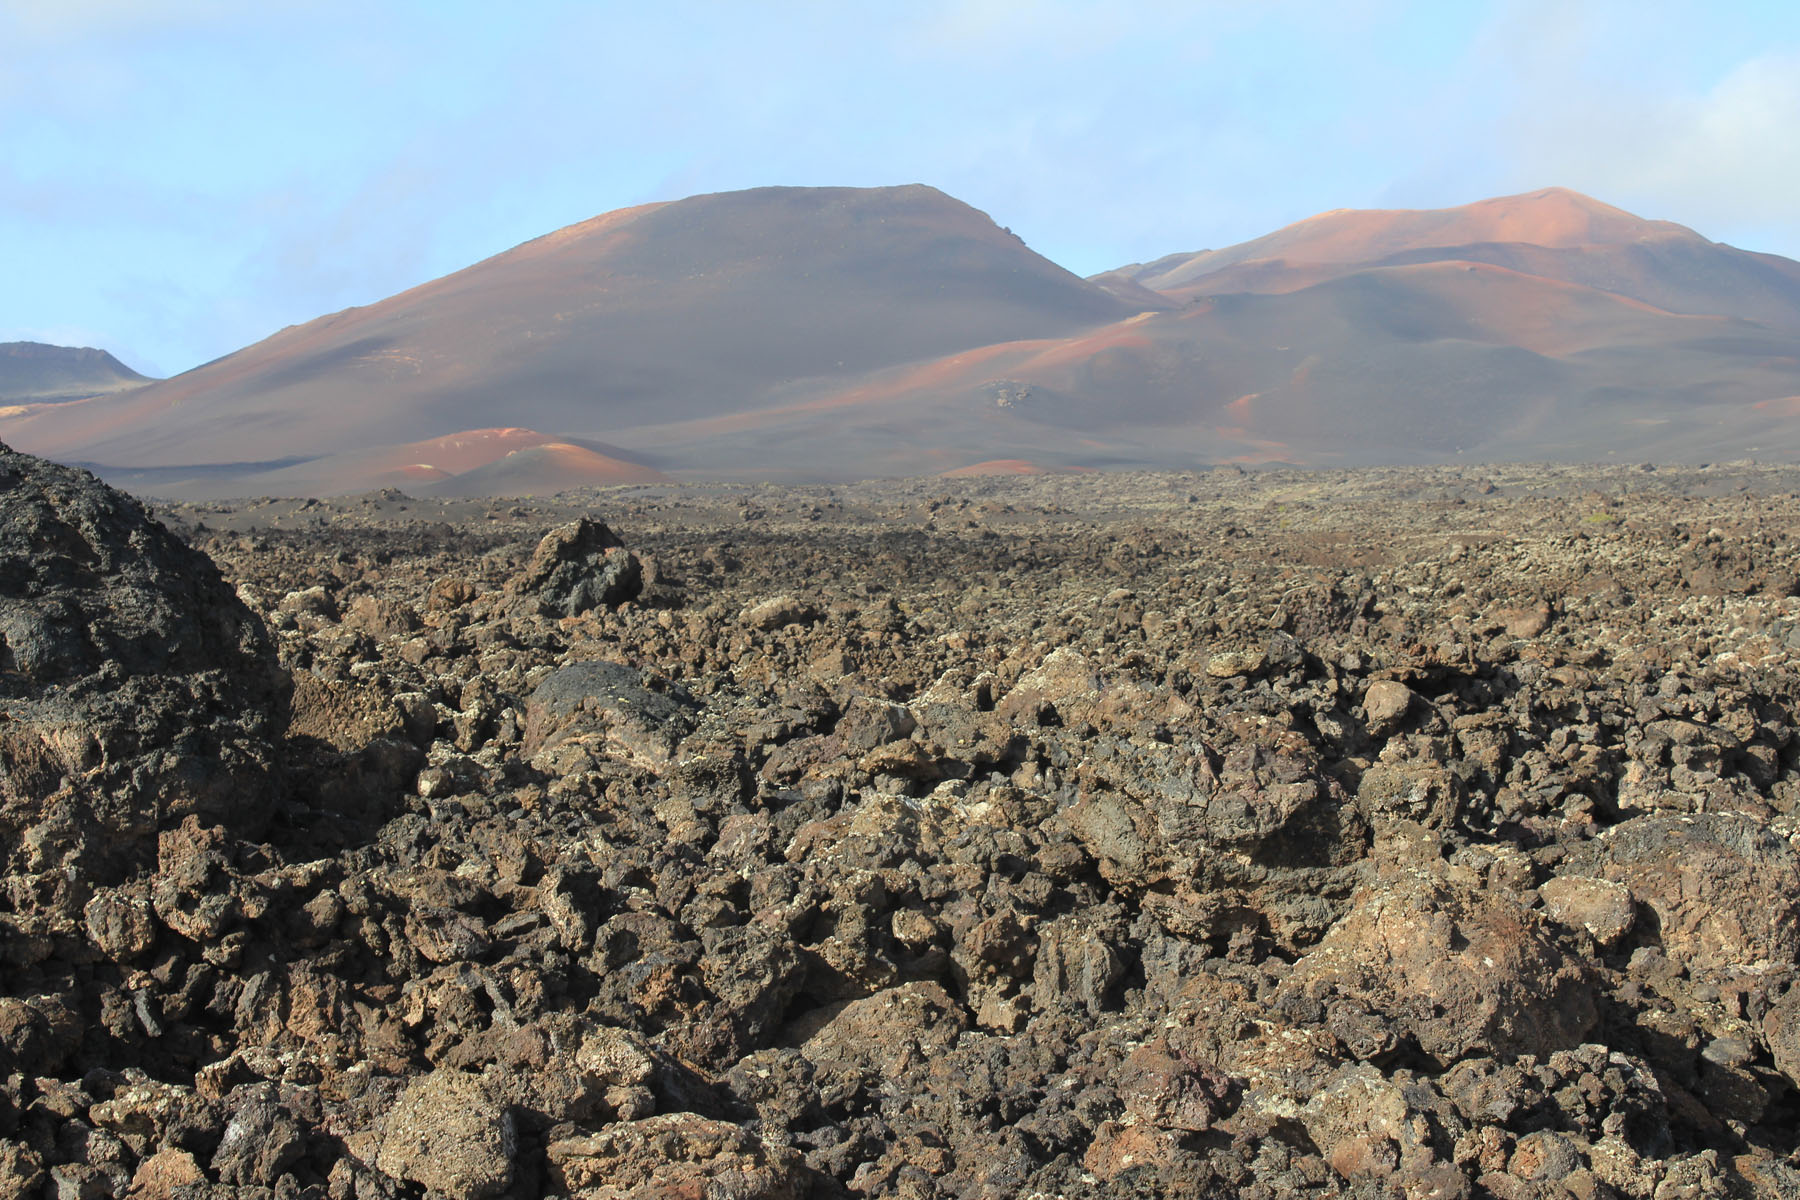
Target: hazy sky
179 178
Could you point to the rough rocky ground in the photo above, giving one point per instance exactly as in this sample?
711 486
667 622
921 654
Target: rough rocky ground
1395 833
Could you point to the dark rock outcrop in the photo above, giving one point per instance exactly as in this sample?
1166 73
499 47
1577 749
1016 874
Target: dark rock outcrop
136 691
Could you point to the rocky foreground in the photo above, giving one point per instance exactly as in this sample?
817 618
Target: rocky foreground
1422 833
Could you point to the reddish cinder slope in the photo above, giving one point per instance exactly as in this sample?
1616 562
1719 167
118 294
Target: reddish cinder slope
546 469
674 311
1554 233
1000 466
1552 217
457 463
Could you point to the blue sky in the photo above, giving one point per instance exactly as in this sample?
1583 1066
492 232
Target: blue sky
180 178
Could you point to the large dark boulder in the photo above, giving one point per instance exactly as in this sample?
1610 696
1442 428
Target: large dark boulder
136 689
578 567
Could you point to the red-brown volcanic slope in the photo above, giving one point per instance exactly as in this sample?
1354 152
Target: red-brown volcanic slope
1552 217
673 311
1555 233
545 469
999 466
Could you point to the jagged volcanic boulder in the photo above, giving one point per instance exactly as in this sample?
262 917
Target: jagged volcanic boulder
580 566
1721 887
1457 971
136 691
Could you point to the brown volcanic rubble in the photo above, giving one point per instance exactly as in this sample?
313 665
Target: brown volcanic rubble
1137 835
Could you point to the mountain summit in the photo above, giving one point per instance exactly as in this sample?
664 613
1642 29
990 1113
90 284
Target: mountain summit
1552 218
1554 233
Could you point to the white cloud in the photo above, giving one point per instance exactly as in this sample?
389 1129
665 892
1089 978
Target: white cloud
1722 160
1734 150
1650 115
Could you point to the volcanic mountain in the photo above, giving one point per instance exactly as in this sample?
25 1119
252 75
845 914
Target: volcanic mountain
839 333
705 307
1554 233
34 373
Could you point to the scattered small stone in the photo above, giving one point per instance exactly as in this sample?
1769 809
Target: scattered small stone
1601 907
1234 664
777 612
1385 702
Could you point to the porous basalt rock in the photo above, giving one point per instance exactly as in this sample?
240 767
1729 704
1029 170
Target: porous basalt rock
1454 971
604 706
674 1156
448 1134
1723 889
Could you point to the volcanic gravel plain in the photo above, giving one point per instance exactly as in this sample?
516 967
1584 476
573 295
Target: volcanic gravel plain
1402 832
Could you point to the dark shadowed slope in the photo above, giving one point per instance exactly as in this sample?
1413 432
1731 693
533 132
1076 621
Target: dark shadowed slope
665 312
1390 364
34 373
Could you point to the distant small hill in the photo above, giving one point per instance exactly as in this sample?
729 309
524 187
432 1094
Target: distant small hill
35 373
507 460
